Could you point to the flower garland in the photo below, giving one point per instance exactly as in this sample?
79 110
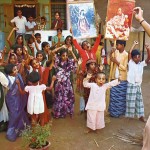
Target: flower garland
25 5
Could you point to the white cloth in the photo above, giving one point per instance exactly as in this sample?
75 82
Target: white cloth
95 119
96 100
135 72
4 112
35 100
20 23
30 25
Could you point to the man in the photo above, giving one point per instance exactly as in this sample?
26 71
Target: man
19 22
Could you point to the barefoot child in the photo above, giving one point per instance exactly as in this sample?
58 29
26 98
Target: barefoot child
134 99
96 102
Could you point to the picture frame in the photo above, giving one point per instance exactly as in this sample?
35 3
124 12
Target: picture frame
82 19
119 19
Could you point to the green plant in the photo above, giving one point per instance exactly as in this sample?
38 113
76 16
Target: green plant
37 136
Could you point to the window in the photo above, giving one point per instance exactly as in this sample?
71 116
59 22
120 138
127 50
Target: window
59 5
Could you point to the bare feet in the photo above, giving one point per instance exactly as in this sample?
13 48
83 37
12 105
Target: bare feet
142 119
88 131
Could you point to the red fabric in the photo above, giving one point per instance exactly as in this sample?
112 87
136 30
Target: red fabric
90 53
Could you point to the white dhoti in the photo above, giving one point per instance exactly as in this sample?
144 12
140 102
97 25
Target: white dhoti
95 119
146 136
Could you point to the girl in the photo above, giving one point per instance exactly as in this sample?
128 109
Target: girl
58 39
41 57
96 102
16 103
46 49
43 80
57 23
19 39
35 105
64 95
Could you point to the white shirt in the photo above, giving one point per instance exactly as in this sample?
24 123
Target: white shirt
135 72
20 23
30 25
35 100
96 100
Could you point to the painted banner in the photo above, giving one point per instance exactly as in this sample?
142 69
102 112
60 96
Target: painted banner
82 17
119 19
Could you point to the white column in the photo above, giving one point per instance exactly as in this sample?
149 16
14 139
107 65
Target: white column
67 16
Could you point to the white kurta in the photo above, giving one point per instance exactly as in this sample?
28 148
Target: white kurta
35 100
96 100
96 103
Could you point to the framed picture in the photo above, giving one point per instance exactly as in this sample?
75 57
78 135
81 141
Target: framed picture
119 19
82 18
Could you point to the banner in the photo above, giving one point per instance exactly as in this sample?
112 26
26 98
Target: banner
119 19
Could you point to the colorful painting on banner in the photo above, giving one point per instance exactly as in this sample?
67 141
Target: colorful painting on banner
82 17
119 19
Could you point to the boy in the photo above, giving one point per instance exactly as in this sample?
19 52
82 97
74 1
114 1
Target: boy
134 99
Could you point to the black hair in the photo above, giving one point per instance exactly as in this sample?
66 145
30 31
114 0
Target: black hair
69 36
83 43
57 13
41 52
16 47
8 69
121 42
63 50
59 29
99 73
37 34
19 35
33 77
30 16
135 52
19 10
44 44
43 18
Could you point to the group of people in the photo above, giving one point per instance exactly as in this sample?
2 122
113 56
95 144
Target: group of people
38 76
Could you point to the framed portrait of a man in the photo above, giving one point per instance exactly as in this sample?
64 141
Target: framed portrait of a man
119 19
82 18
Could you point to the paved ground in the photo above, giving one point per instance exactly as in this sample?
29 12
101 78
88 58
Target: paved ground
68 134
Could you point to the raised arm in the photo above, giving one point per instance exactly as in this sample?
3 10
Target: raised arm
78 47
10 34
96 44
131 49
71 51
148 53
138 13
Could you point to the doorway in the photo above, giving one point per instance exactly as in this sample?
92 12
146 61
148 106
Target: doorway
26 10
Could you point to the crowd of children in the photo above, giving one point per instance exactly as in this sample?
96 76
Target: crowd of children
38 77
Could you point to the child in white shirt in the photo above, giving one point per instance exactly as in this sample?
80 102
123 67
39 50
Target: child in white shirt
96 102
35 104
134 99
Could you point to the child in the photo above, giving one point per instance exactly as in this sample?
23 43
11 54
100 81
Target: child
64 95
35 105
134 99
41 57
16 103
96 102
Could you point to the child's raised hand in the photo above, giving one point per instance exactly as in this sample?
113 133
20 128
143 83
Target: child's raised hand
135 42
17 81
89 75
54 78
101 67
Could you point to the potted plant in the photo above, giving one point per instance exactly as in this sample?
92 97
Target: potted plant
36 138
